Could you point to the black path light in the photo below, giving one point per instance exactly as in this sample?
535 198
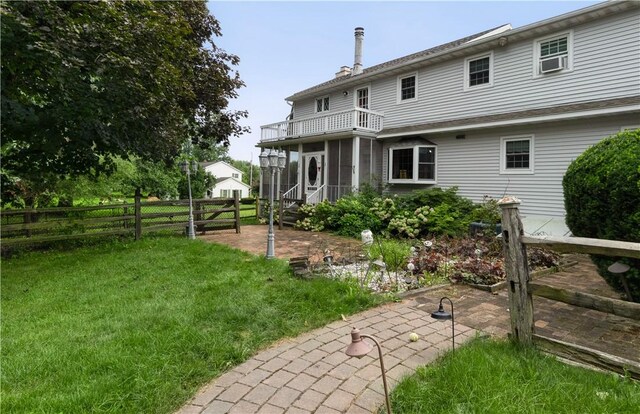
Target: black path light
441 314
359 348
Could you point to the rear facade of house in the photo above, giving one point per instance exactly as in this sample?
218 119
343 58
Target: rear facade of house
503 111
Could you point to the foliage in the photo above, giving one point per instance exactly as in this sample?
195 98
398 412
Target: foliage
502 377
85 82
201 181
394 253
139 327
487 212
401 216
601 191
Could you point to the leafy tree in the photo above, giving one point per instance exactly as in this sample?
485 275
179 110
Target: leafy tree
201 181
86 82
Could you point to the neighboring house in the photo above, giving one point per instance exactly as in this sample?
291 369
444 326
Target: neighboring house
502 111
228 178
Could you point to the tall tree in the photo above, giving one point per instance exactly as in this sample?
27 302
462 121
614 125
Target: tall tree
85 81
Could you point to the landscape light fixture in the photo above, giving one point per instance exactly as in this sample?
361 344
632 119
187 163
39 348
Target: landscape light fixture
270 161
443 315
186 168
619 269
359 348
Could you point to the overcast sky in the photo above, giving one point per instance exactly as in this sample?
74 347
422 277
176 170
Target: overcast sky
285 47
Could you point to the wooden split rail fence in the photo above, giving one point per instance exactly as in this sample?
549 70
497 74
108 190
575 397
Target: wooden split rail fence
521 289
31 226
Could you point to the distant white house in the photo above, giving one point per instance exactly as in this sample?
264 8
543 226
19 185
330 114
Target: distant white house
228 179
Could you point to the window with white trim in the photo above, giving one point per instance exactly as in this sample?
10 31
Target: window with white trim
415 164
553 54
235 175
225 193
322 104
516 155
407 88
478 71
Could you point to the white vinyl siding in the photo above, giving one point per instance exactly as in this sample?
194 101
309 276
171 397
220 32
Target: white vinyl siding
473 164
606 63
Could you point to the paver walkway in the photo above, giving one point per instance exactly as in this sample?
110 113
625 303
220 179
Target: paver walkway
312 373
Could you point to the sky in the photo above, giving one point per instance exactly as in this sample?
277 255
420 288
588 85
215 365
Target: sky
285 47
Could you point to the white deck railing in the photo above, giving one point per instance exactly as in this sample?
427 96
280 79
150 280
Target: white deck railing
357 118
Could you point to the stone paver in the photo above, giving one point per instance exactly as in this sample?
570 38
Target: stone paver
311 373
295 377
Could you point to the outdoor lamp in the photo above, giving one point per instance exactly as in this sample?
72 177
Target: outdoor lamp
184 166
619 269
282 159
359 348
441 314
273 158
264 159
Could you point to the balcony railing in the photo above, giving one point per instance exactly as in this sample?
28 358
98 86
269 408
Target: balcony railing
352 119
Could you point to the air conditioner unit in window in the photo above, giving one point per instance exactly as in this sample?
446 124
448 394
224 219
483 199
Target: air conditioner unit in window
553 64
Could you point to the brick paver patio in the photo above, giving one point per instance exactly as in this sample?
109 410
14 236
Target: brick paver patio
311 373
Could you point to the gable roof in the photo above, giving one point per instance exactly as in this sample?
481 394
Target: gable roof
210 163
469 45
222 179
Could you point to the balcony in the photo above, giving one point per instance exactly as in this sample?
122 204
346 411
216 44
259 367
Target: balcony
356 119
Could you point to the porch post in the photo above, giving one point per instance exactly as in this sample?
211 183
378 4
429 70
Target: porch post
355 159
325 172
299 182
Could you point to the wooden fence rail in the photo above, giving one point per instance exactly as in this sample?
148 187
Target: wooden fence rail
521 289
30 226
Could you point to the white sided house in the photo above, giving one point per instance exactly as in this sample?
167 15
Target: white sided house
228 179
502 111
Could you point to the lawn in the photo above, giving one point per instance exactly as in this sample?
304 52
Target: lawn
137 327
501 377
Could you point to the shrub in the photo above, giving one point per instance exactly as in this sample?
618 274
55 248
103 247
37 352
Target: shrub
602 193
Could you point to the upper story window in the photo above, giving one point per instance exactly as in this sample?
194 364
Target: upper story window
416 164
553 54
322 104
516 155
235 175
407 88
478 71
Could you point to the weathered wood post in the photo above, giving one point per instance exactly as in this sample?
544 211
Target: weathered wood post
236 204
138 213
517 269
280 210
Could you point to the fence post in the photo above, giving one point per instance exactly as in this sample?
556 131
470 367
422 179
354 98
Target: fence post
280 211
517 269
138 213
236 203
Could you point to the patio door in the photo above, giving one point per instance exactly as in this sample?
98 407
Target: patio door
313 174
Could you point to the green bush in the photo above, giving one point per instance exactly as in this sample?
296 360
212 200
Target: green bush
602 199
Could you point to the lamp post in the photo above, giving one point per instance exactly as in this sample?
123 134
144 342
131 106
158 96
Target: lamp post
441 314
270 161
359 348
184 165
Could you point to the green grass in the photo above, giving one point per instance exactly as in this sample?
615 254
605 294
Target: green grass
500 377
137 327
